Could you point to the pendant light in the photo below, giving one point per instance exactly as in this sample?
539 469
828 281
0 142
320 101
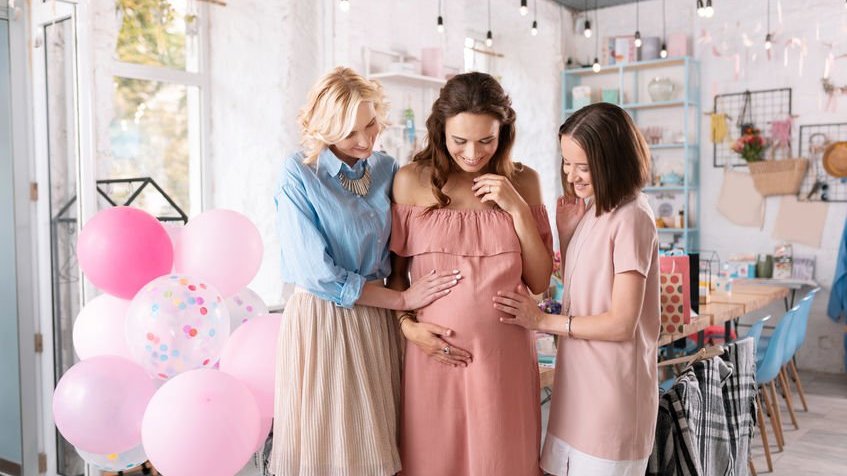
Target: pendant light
768 36
587 30
701 9
637 33
344 5
708 11
596 66
664 51
524 8
489 38
534 30
439 26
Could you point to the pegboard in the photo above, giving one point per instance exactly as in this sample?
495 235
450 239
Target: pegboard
813 140
764 107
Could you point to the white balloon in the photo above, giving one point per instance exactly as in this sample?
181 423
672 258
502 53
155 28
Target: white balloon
99 328
243 306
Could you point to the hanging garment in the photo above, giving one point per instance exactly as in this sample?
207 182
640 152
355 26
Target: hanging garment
739 201
675 451
720 131
739 397
837 308
781 134
710 431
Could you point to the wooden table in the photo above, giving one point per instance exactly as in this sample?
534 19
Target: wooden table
724 308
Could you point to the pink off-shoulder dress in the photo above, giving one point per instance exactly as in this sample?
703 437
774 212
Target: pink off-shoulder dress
483 419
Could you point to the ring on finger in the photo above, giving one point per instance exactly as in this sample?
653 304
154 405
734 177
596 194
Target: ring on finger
445 350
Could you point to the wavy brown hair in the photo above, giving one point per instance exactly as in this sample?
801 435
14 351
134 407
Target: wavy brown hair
475 93
618 155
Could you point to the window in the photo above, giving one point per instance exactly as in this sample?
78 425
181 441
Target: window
156 129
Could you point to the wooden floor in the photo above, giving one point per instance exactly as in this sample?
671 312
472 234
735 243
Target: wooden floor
819 447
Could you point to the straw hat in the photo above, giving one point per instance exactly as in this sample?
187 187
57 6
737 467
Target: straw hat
835 159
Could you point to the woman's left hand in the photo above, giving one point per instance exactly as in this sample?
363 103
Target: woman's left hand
498 189
521 305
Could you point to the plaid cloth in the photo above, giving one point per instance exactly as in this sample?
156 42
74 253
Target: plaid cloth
739 397
692 431
675 451
710 423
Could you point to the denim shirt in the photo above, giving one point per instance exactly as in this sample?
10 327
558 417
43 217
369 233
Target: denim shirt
332 240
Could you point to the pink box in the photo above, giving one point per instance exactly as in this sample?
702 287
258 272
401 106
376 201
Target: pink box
432 62
677 45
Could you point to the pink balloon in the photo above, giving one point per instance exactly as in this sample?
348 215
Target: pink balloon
250 356
99 328
99 403
174 230
121 249
222 247
201 422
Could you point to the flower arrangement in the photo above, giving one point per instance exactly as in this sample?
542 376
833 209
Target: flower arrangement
751 145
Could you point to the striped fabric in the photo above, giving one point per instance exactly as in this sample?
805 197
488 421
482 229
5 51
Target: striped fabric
338 391
739 396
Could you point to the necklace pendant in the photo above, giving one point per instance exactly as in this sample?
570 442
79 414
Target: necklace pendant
360 186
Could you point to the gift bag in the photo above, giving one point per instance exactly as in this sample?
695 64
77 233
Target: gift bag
676 293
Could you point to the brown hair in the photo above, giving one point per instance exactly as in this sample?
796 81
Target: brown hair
475 93
618 156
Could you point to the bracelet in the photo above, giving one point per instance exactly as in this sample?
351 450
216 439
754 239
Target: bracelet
570 321
404 317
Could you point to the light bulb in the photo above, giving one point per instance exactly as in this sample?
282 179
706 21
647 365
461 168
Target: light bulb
596 66
489 39
524 9
664 52
440 24
638 39
534 30
768 41
587 30
701 10
344 5
708 12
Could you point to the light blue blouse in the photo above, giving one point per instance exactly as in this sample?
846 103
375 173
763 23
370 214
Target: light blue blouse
332 240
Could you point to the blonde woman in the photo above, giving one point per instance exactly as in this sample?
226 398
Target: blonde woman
338 366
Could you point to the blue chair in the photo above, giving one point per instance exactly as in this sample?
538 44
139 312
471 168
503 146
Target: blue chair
770 357
756 330
798 336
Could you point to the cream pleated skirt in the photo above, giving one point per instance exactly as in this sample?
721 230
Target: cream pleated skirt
337 391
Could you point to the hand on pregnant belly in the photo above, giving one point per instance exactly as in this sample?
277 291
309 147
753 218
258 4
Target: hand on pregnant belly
428 337
520 305
429 288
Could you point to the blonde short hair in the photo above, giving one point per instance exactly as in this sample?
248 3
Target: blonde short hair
330 113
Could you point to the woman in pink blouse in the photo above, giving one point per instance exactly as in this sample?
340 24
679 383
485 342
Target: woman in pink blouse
605 398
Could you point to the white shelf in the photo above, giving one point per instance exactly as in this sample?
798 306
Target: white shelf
410 79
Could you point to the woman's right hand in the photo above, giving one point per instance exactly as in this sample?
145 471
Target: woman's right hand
429 288
569 212
427 337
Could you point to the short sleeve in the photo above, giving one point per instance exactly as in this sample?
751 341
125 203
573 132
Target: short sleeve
634 240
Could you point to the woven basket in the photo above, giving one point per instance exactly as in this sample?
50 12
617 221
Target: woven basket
778 177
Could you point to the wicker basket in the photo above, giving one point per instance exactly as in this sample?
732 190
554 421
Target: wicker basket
778 177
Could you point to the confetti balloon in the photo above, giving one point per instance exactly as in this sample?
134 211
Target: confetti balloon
176 323
115 461
243 306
